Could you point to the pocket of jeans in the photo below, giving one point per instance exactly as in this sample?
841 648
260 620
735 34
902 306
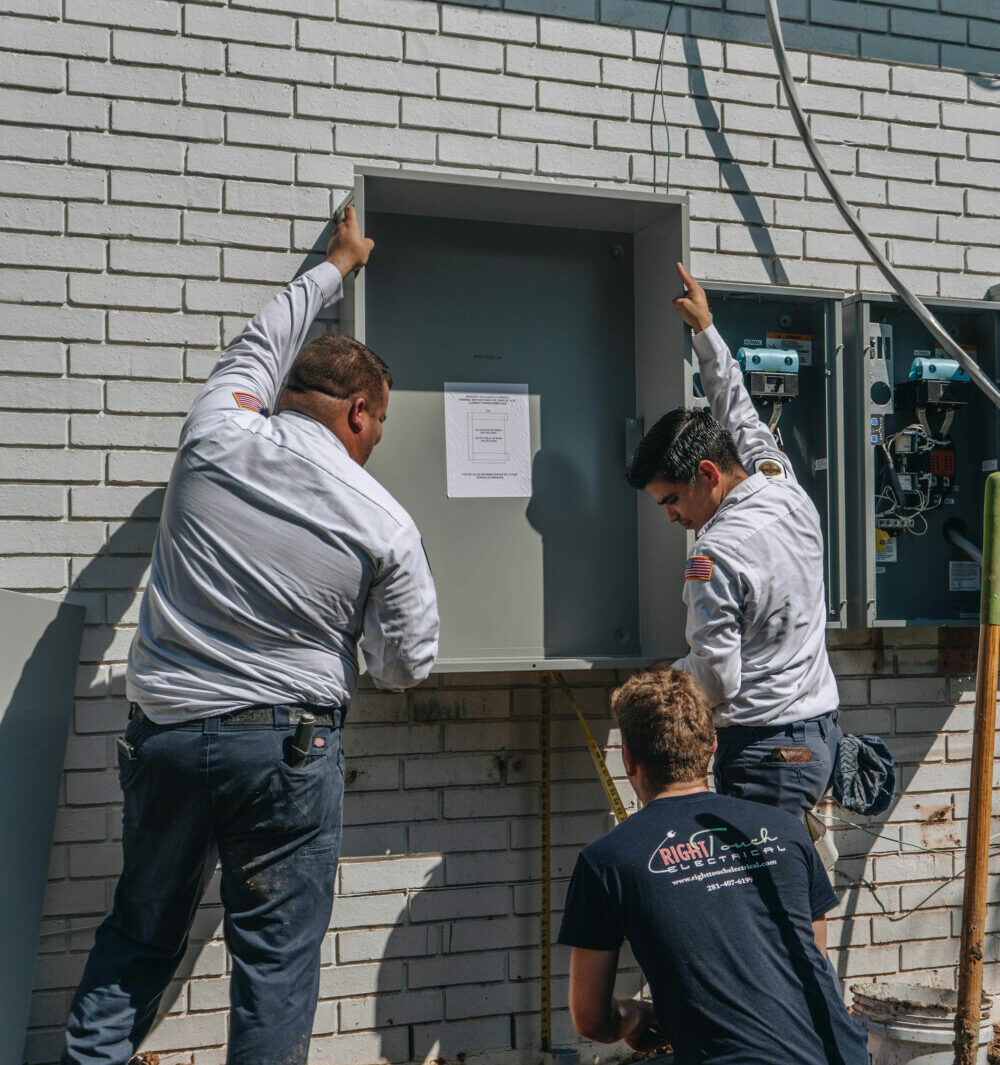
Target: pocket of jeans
319 749
306 799
128 764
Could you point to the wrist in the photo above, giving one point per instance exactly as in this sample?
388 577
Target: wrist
701 325
343 262
625 1016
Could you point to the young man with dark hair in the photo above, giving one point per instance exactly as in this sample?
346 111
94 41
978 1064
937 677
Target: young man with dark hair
722 902
753 584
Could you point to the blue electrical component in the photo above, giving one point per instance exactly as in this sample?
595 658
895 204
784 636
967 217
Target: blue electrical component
768 360
922 369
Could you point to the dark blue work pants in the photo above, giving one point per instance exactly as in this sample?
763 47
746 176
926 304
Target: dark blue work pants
746 767
196 795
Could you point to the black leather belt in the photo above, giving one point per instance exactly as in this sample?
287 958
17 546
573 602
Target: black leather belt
258 715
764 732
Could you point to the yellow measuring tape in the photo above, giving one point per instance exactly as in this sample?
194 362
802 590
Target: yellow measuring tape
617 807
615 800
545 737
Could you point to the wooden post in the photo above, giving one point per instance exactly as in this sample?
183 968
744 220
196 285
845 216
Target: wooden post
970 967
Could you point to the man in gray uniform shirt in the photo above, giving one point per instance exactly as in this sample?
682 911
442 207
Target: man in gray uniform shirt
753 584
276 553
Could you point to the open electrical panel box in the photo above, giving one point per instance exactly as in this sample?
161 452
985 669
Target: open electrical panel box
921 439
788 343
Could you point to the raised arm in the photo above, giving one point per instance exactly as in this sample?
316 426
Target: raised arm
254 366
722 380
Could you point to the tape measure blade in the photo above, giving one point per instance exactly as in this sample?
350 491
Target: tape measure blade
603 773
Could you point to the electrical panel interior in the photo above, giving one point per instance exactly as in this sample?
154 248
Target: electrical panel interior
921 440
788 344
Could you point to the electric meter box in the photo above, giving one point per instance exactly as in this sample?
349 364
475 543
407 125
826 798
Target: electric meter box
536 320
921 440
790 344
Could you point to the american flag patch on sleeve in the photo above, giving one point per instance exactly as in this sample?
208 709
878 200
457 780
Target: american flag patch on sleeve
246 401
698 568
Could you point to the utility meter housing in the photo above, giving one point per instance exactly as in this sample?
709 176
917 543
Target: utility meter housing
788 343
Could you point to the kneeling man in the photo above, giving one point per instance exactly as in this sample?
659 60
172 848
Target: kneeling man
721 900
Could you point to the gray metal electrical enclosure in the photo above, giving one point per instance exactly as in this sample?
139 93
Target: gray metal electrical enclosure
805 406
39 655
920 442
562 293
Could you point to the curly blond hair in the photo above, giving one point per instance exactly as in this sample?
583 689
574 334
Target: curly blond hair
666 722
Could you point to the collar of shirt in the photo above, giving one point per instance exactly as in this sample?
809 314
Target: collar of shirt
751 486
325 436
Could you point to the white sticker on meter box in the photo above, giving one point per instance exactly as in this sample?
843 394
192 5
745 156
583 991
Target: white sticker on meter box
963 576
889 553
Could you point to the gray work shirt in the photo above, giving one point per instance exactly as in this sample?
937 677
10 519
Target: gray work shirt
756 605
276 552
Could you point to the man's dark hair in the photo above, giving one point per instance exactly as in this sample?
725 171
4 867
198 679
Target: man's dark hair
672 449
666 722
339 366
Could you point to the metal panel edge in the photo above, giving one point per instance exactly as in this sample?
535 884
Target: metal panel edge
860 482
839 428
792 292
518 185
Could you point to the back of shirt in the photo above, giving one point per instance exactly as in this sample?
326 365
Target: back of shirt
716 897
276 551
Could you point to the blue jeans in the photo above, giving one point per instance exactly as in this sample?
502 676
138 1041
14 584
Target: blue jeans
746 766
194 795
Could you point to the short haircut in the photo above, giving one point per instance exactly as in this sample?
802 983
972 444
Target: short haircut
339 366
666 722
672 449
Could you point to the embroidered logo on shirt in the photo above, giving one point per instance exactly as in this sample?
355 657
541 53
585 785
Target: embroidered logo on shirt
698 568
246 401
770 468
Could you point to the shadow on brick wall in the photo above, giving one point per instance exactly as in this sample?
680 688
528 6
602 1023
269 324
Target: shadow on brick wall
434 944
914 688
961 36
730 169
107 586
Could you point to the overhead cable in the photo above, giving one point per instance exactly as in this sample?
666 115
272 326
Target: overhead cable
658 92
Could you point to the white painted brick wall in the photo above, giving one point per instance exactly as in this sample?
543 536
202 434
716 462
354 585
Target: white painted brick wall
163 168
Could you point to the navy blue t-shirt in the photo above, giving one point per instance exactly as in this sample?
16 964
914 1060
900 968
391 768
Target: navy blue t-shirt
716 896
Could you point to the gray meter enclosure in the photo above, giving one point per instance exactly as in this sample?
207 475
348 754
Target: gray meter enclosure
39 654
566 291
811 418
904 571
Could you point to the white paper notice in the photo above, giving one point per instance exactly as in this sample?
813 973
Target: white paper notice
488 440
